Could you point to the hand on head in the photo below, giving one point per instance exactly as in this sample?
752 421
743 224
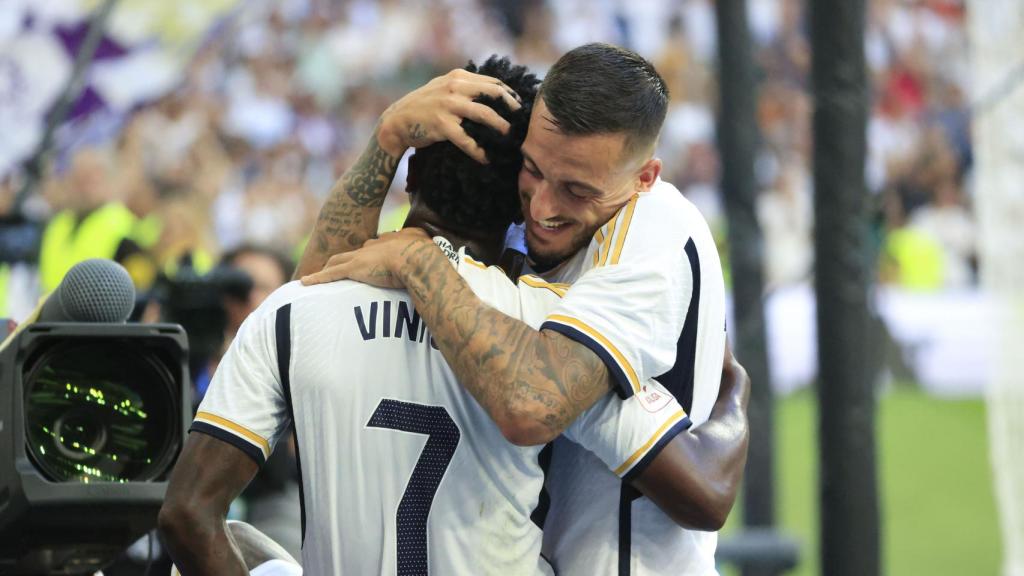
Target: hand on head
434 112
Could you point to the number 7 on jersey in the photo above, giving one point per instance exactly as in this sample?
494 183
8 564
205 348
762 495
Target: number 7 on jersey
442 439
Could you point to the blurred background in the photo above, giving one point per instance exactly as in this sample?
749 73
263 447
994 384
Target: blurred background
199 144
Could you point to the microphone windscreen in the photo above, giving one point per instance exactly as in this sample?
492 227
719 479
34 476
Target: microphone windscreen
92 291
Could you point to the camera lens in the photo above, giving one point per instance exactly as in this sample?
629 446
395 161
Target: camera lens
99 412
79 433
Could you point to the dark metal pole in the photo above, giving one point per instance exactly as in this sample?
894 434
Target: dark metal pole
73 89
846 415
737 140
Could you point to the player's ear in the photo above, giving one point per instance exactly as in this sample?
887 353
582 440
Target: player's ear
648 174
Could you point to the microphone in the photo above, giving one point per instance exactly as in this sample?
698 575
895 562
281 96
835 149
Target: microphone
93 290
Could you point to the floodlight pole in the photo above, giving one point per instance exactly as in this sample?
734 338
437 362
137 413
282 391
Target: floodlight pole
846 415
738 141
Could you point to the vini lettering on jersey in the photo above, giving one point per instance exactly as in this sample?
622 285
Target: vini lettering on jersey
396 320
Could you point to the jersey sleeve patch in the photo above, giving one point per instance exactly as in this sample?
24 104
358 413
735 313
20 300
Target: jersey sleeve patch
640 459
622 372
237 435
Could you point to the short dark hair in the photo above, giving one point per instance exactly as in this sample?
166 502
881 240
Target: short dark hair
601 88
463 192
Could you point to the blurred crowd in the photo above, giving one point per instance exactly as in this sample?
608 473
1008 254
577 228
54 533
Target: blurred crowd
279 100
228 170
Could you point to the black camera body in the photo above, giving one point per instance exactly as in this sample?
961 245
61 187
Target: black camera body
92 418
196 302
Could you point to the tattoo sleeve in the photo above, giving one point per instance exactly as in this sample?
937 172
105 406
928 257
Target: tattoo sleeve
532 383
349 216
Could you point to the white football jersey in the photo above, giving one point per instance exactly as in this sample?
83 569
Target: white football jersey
648 297
402 471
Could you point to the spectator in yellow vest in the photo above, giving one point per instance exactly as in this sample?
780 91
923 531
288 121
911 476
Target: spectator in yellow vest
91 222
911 258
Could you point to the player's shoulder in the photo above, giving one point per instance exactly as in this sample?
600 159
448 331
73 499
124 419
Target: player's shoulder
293 292
660 221
664 209
325 295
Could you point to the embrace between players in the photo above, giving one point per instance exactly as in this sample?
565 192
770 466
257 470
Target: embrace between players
583 418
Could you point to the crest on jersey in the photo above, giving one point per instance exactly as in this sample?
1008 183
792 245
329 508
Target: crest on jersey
653 397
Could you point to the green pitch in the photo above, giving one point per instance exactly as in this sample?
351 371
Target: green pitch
938 509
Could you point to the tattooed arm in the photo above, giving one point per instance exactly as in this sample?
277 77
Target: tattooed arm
426 115
349 216
532 383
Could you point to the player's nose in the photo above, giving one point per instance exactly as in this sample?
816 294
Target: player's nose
543 204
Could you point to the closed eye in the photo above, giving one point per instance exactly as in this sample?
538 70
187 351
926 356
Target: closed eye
530 167
576 193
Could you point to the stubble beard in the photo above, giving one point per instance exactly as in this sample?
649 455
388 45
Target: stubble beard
543 261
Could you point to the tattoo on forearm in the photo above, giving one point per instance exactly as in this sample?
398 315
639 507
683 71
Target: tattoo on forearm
368 181
505 364
349 216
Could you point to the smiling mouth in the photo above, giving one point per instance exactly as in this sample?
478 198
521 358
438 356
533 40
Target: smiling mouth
547 230
550 225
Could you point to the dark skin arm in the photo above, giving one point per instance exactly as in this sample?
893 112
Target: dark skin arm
695 477
209 475
532 383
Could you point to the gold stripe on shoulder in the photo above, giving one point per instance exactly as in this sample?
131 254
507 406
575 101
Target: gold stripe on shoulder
599 239
236 428
469 260
619 357
535 282
606 247
626 221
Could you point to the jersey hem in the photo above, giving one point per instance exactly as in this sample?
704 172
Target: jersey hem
649 457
